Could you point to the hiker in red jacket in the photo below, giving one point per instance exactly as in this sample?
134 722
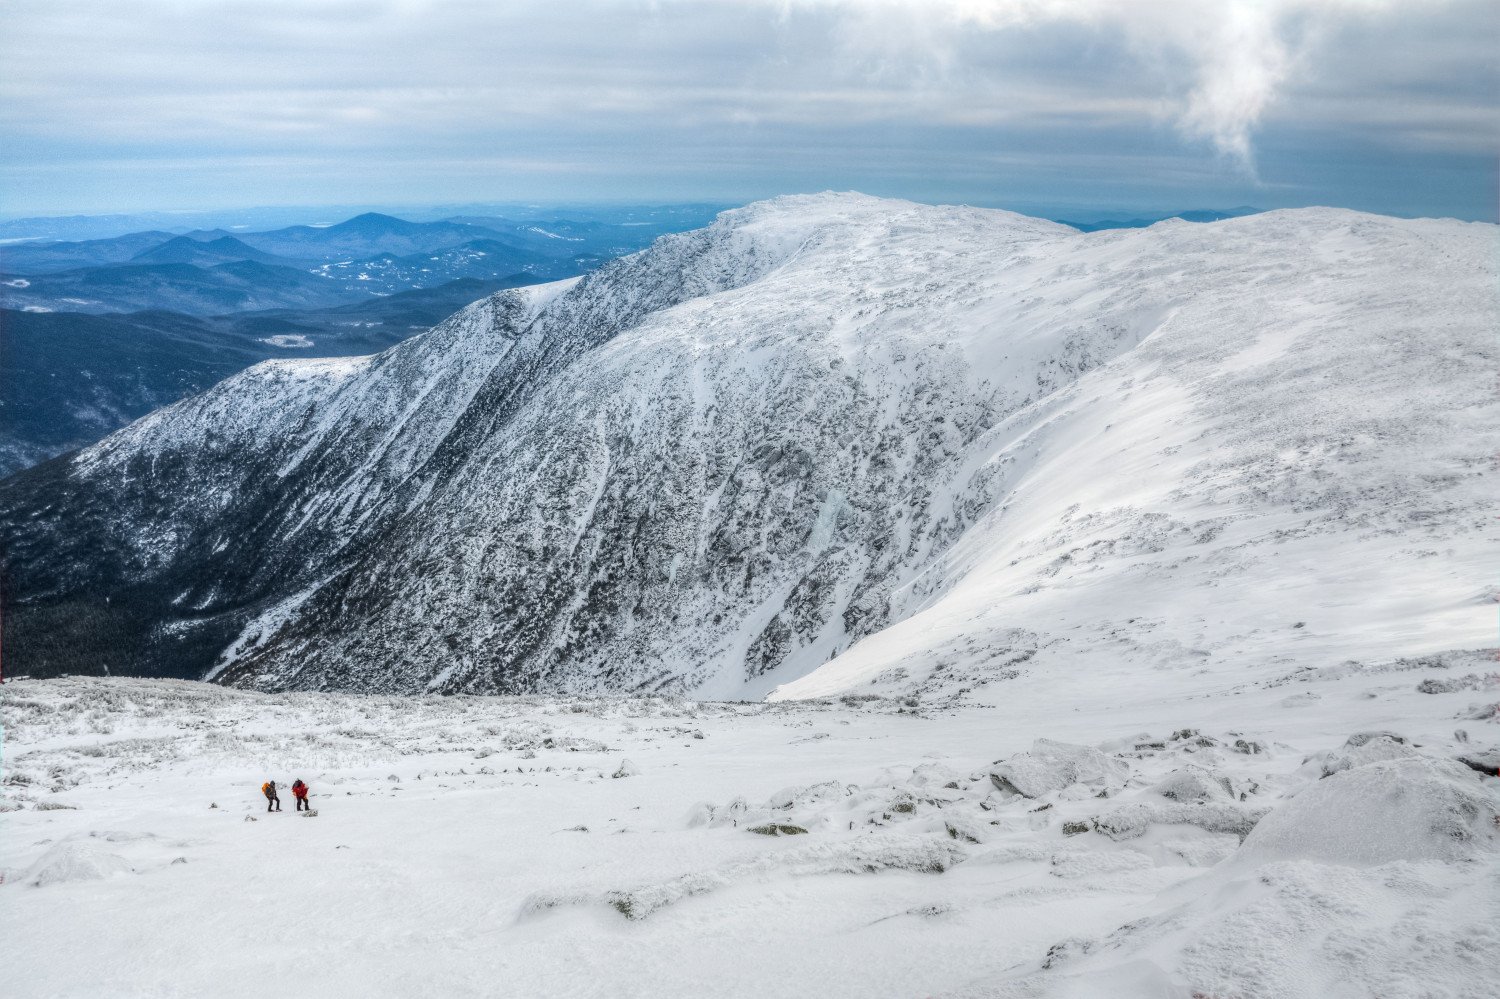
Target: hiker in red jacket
299 791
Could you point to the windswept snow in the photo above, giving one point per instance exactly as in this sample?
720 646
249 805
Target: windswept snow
664 847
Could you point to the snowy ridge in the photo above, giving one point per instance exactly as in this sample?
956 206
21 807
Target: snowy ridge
833 443
1315 489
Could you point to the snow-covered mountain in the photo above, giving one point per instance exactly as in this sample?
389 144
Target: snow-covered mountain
827 444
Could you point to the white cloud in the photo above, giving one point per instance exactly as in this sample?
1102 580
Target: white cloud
1237 53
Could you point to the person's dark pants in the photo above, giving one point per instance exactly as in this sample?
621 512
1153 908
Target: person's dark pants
273 800
302 805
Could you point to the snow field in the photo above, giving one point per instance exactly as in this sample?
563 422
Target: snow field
1116 847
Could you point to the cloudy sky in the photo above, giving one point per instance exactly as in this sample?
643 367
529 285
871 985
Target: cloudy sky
1376 104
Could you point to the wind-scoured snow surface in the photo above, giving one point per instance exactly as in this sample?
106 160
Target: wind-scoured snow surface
1331 835
828 444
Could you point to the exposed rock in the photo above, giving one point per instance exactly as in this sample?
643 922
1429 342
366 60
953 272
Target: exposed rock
777 829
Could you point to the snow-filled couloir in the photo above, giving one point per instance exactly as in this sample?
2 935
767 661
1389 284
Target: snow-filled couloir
829 444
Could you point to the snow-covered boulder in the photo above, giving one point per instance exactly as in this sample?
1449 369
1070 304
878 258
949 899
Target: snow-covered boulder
75 861
936 776
1484 761
1193 783
1366 747
1132 820
1052 766
1392 810
822 793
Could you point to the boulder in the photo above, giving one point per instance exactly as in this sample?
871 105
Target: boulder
1194 783
1052 766
1366 747
813 794
1414 809
75 861
1134 819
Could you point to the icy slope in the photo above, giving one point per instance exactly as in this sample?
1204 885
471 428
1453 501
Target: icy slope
933 445
1277 478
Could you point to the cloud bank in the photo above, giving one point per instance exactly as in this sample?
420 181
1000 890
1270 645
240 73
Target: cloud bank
157 103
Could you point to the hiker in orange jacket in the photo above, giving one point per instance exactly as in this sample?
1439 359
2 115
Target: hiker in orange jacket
299 791
269 790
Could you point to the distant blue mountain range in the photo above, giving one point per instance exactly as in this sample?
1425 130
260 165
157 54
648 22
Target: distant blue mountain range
95 333
366 256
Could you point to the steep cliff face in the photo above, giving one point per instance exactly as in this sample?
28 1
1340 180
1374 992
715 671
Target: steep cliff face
716 465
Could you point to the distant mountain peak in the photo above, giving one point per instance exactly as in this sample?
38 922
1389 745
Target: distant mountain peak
229 243
207 253
374 222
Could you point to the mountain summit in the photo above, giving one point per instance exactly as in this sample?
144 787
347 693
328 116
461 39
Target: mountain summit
364 236
829 443
375 223
205 253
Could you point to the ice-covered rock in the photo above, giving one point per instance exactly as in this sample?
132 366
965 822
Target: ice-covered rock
965 829
778 829
1132 820
1486 762
1193 783
1366 747
1052 766
937 775
821 793
75 860
1409 809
